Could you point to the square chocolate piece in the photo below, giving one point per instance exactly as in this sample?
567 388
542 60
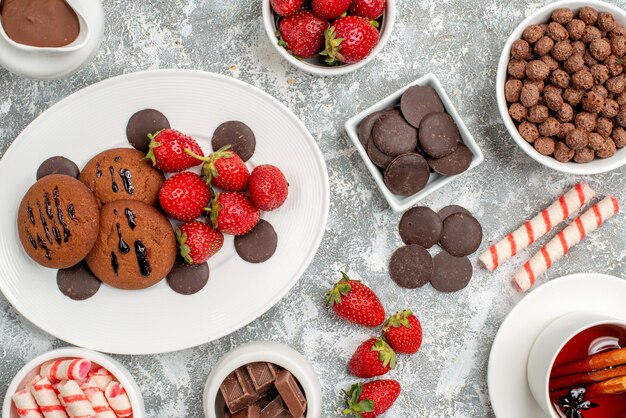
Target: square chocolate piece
237 390
290 391
253 411
262 375
275 409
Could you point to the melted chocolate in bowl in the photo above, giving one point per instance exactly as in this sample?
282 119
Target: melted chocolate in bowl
39 23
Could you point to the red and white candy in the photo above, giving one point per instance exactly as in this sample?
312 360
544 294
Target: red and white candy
118 399
97 399
534 229
26 405
47 399
571 235
74 400
72 369
102 377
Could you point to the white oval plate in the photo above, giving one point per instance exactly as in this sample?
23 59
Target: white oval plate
508 385
157 320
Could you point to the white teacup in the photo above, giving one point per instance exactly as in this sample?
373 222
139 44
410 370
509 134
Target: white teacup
550 343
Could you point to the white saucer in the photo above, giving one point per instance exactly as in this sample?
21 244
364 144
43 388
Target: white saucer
508 387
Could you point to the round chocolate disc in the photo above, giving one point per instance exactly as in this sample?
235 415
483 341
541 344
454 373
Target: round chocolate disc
142 123
450 273
438 135
453 164
420 225
378 157
452 209
78 282
411 266
462 234
393 135
259 244
236 134
366 125
419 101
406 174
187 279
58 165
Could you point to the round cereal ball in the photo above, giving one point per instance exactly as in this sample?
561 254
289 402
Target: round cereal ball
615 85
565 113
618 31
600 73
573 96
590 34
557 32
592 102
543 45
618 45
620 118
582 80
585 121
553 98
545 145
597 88
584 155
537 70
610 109
538 114
608 149
518 112
606 21
565 129
562 15
589 60
550 62
562 152
589 15
621 98
520 49
562 50
579 47
619 137
614 64
550 127
539 83
575 28
574 63
577 139
560 78
600 49
533 33
528 131
512 90
596 141
604 126
530 95
517 68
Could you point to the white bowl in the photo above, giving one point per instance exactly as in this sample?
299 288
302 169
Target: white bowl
270 352
541 16
436 181
313 65
31 369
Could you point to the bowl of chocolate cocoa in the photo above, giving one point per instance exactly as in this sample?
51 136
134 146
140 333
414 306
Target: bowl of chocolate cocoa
561 86
262 379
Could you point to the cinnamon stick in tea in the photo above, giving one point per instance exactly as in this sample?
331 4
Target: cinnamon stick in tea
613 386
585 378
596 362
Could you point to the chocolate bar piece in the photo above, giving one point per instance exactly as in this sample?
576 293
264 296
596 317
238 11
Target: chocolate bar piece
262 375
237 390
275 409
289 390
253 411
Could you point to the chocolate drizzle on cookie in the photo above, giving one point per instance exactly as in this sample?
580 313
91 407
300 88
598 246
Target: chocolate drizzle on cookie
98 170
130 215
31 239
43 245
66 231
122 246
142 258
31 216
46 197
70 212
42 218
127 180
114 263
57 234
113 183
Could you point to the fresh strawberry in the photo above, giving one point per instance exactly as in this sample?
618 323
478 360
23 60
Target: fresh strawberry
224 169
371 399
350 39
184 196
403 331
286 7
167 151
268 187
233 213
369 9
197 242
302 34
330 9
372 358
355 302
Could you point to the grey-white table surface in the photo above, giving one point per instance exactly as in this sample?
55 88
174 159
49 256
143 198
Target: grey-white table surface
460 41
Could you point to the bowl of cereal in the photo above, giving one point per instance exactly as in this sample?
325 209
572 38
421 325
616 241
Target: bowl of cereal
561 86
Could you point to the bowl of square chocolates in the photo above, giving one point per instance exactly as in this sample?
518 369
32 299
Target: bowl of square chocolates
262 379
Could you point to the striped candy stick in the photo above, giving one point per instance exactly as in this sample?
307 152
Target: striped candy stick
534 229
96 397
47 399
118 399
102 377
571 235
74 400
70 369
25 404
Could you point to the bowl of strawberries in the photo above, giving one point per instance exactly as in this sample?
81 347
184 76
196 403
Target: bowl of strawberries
329 37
